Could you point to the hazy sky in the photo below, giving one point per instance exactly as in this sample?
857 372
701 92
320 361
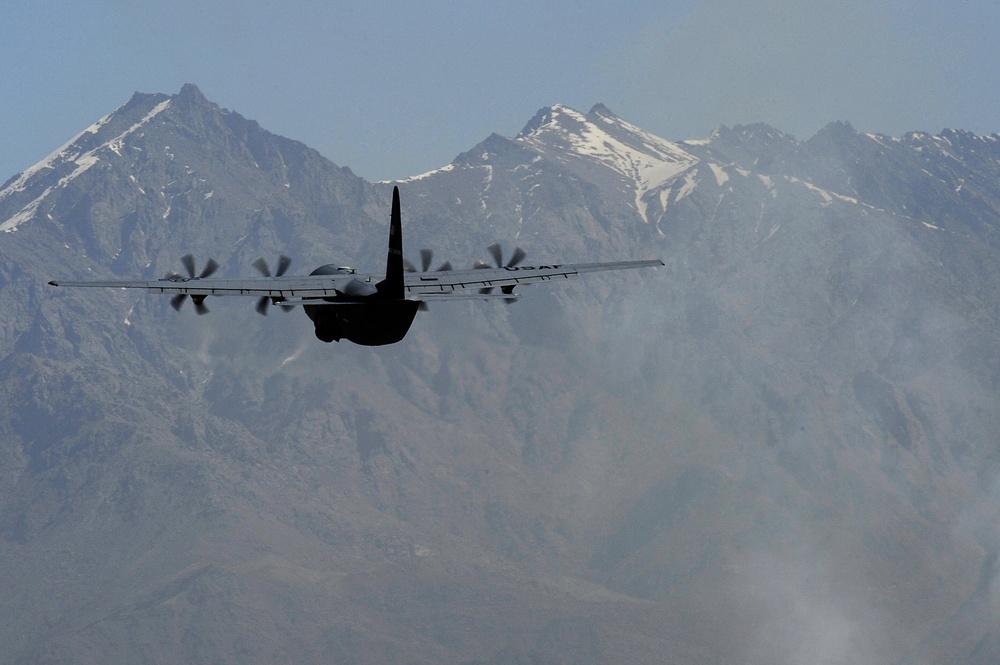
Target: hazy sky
393 89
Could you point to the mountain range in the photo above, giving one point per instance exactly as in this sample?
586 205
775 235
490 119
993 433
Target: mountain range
781 447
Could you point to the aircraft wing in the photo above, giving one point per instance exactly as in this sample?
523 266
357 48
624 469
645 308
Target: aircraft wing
298 287
299 290
460 283
373 310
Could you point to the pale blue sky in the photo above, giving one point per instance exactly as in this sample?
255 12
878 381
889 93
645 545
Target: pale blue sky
393 89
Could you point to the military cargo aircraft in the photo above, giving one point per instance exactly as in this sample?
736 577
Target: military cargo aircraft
370 310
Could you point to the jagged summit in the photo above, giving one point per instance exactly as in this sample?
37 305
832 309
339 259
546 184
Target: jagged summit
568 119
833 133
600 109
757 133
644 159
189 91
185 135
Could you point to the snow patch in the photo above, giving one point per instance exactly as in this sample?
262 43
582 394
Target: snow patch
826 195
443 169
128 316
689 185
721 177
26 213
295 356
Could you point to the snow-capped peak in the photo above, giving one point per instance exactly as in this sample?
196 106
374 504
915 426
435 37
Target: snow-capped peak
643 158
73 159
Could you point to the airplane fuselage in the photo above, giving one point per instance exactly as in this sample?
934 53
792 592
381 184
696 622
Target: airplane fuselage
374 322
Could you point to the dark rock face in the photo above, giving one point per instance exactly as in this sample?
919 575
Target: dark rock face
781 447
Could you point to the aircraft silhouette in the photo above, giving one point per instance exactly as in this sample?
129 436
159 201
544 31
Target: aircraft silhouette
346 305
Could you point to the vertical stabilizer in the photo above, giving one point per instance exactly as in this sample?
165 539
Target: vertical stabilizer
392 286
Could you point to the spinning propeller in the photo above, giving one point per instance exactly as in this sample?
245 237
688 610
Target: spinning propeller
497 253
199 300
262 267
426 256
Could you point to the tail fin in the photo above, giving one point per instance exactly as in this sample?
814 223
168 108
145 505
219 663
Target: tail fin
392 286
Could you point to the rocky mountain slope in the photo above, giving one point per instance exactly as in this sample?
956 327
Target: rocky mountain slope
781 447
